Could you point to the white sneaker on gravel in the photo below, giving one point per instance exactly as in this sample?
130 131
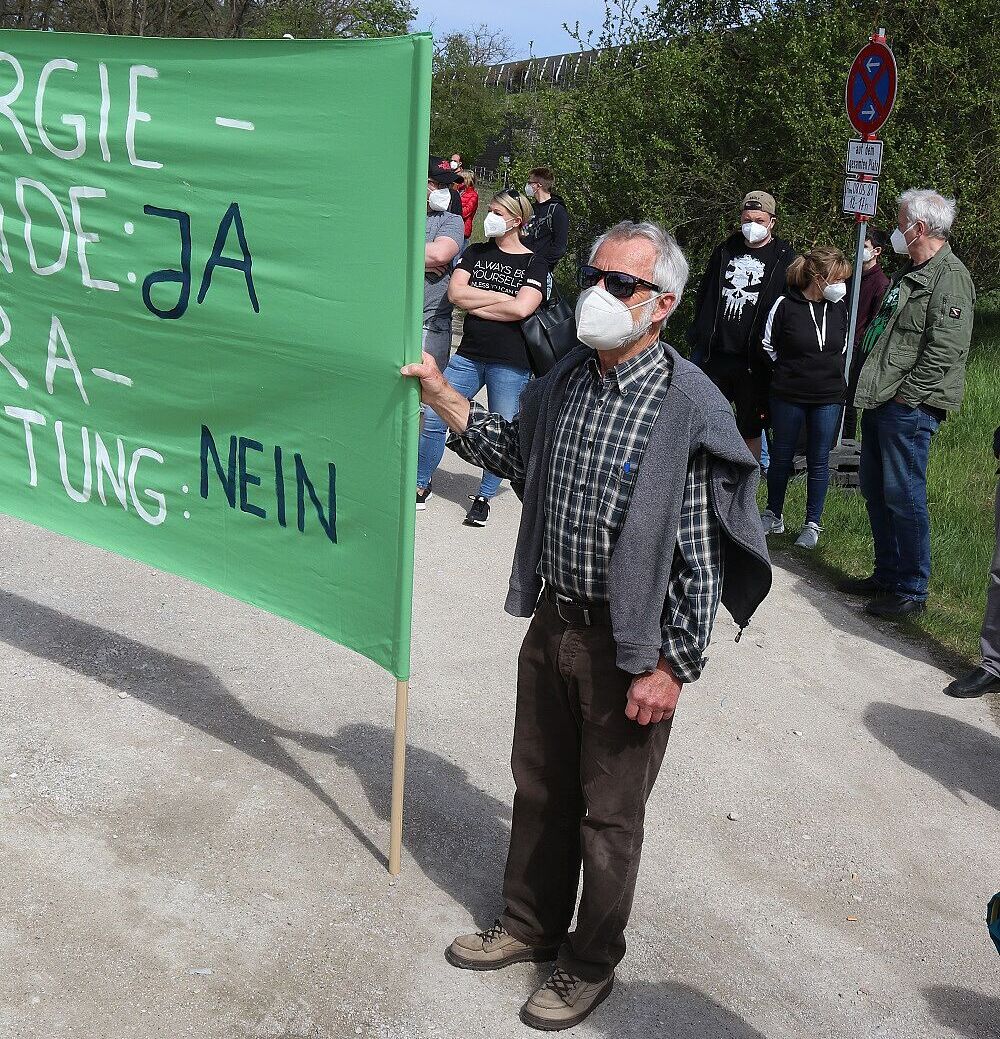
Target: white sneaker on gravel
809 537
772 524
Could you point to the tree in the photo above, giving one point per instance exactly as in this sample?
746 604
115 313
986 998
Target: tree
466 114
679 122
214 18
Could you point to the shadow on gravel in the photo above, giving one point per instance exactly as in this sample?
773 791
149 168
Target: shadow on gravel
454 487
961 757
847 614
181 688
668 1009
456 833
970 1014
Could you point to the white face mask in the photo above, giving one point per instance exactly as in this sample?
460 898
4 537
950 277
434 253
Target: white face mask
529 190
439 200
494 225
605 323
869 254
453 164
754 232
835 291
898 240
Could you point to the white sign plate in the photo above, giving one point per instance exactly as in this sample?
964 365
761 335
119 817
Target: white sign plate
861 197
864 157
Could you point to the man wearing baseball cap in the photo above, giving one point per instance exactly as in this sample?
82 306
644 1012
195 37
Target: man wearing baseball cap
444 237
745 276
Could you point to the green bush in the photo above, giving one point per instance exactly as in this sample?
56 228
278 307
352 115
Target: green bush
709 100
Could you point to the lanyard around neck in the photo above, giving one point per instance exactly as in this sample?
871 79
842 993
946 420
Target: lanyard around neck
820 336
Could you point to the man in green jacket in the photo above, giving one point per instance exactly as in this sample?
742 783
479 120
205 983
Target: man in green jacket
916 350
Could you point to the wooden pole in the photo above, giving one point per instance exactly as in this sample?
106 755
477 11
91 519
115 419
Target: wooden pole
398 779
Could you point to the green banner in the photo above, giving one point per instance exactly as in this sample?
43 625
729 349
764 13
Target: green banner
211 260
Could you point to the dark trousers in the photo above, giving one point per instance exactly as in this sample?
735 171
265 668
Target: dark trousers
583 773
991 622
895 446
787 422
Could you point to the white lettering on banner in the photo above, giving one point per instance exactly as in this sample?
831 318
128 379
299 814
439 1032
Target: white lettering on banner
57 332
29 418
79 496
75 121
99 458
154 519
85 237
135 73
102 130
5 333
53 268
116 476
11 96
8 266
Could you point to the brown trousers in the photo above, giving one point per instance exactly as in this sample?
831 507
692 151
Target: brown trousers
583 773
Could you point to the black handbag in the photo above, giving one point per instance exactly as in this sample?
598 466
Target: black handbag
550 333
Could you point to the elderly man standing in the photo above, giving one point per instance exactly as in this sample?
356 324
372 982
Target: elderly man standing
914 374
636 486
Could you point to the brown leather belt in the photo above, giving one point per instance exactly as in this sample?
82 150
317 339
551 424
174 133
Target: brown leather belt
578 614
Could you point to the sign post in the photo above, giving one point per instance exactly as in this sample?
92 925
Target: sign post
869 97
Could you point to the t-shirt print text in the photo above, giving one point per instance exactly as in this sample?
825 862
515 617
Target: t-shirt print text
496 276
742 274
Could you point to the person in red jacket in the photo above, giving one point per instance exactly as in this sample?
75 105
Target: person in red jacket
470 203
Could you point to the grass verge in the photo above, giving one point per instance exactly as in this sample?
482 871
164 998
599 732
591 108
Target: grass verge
961 482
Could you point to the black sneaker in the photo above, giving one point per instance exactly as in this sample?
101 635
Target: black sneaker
862 587
423 493
479 514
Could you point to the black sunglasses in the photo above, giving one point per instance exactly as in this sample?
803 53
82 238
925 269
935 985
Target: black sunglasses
619 284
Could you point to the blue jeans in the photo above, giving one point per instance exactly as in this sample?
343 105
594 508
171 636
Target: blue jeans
895 445
765 455
503 383
821 421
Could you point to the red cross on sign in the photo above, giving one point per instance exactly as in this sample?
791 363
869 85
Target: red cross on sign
871 88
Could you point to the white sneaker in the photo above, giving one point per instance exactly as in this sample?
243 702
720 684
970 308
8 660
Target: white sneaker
809 537
772 524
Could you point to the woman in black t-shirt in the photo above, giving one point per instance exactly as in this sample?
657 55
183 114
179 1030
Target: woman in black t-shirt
498 284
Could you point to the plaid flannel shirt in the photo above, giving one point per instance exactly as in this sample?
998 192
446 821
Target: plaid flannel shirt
600 437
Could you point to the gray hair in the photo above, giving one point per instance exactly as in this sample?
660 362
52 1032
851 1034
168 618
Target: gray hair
935 211
670 271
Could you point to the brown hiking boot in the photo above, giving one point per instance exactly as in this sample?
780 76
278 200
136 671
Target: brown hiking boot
493 949
564 1001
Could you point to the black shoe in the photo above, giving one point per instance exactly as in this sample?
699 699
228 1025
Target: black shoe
423 493
479 514
863 587
895 607
975 683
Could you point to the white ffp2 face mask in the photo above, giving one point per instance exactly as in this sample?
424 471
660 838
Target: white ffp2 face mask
494 225
605 323
868 254
439 200
754 232
835 291
898 240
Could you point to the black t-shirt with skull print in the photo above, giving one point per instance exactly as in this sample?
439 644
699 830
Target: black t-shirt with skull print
745 276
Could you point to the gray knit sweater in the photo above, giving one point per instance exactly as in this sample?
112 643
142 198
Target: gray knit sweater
693 415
